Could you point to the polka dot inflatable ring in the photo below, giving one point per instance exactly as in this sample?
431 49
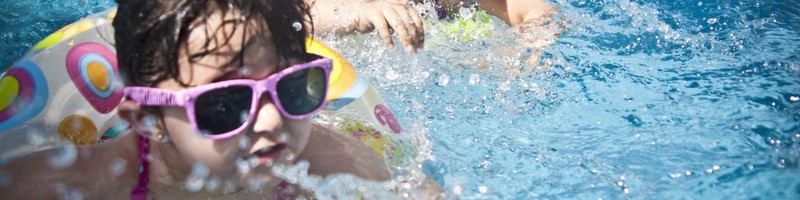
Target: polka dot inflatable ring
92 68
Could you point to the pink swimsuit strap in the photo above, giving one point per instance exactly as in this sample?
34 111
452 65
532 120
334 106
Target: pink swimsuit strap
140 191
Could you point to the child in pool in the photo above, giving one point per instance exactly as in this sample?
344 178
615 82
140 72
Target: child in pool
528 17
168 48
513 12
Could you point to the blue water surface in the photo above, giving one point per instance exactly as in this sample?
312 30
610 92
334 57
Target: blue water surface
635 99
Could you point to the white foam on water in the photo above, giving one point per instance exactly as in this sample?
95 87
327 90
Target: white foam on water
197 177
64 156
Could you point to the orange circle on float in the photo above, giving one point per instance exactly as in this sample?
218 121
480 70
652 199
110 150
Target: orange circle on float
9 89
79 129
98 75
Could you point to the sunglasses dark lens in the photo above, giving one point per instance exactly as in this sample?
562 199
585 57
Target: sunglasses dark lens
223 110
303 91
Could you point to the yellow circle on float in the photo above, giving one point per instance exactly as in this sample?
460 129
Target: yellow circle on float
79 129
78 27
98 75
111 15
50 40
9 89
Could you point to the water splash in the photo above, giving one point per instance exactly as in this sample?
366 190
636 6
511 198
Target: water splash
244 142
213 184
117 167
150 126
335 186
284 137
243 166
63 156
67 192
197 177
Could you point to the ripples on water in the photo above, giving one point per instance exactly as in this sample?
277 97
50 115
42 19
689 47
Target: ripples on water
677 99
636 99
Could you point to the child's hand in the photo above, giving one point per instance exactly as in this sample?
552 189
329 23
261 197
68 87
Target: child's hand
535 23
388 15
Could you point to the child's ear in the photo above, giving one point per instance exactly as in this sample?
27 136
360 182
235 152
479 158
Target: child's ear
130 111
141 123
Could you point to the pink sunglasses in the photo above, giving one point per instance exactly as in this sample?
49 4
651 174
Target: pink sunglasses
223 109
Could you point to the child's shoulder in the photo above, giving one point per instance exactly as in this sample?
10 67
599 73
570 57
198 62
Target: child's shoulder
331 152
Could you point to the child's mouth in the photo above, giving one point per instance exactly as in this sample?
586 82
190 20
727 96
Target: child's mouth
269 154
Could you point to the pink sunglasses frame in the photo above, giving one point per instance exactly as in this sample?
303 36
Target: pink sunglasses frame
149 96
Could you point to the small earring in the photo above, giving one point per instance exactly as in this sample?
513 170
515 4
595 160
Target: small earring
159 135
150 127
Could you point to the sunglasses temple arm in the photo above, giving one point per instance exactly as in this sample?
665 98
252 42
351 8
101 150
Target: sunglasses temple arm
152 96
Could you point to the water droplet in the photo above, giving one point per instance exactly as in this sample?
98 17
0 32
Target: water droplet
268 163
229 187
244 115
392 75
245 71
483 189
474 79
711 21
205 133
297 26
443 80
148 127
505 86
118 167
197 178
64 156
284 137
213 184
68 192
35 138
244 142
255 184
289 156
252 161
242 166
457 190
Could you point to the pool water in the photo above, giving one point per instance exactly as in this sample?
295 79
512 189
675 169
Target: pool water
635 99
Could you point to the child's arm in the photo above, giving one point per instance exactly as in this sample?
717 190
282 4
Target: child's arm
330 152
53 173
348 16
514 12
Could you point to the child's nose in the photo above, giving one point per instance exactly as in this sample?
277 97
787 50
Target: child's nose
268 118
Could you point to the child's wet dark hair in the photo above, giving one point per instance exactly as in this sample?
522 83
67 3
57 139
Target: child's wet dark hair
150 33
